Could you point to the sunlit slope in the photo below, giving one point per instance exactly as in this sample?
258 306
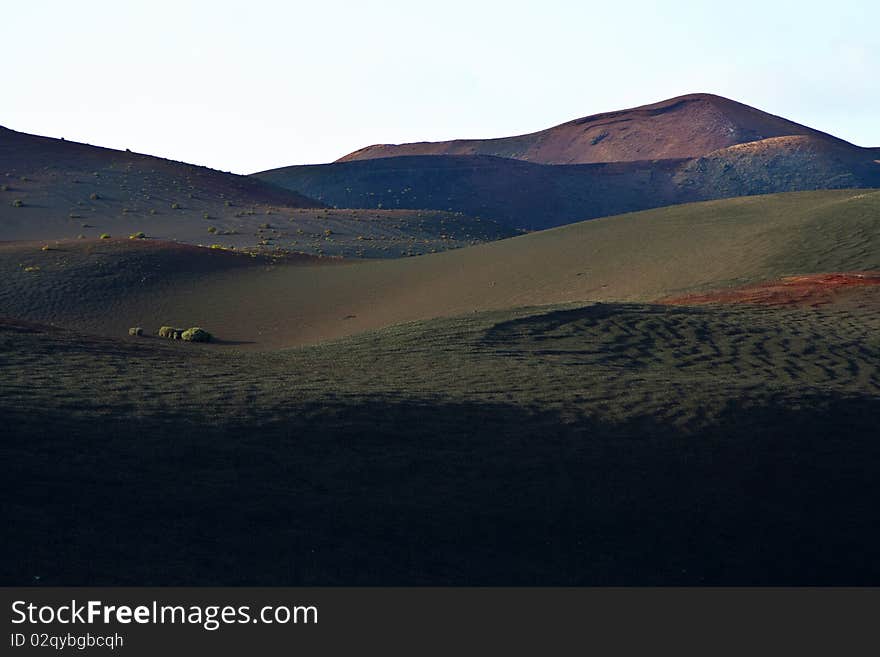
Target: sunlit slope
57 189
686 126
637 257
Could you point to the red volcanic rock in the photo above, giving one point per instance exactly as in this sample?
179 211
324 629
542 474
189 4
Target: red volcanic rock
811 289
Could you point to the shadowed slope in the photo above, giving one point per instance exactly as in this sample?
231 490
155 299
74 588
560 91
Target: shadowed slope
710 148
516 193
623 444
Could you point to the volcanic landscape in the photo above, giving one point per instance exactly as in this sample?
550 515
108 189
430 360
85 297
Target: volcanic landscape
638 348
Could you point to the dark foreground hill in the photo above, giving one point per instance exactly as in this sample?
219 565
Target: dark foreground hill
57 189
433 421
683 150
602 444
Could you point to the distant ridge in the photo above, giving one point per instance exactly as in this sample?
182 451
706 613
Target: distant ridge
54 160
56 189
683 127
691 148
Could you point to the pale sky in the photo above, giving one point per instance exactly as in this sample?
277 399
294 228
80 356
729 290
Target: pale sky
253 85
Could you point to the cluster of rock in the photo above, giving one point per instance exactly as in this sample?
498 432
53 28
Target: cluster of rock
192 334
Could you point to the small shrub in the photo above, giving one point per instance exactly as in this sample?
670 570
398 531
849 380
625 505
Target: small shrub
17 203
105 236
136 330
94 196
4 188
138 235
328 232
153 211
170 332
175 206
196 334
32 268
212 229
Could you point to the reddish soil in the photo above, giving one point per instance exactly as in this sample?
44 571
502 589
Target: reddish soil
682 127
810 289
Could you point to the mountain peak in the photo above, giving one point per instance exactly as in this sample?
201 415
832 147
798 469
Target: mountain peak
685 126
